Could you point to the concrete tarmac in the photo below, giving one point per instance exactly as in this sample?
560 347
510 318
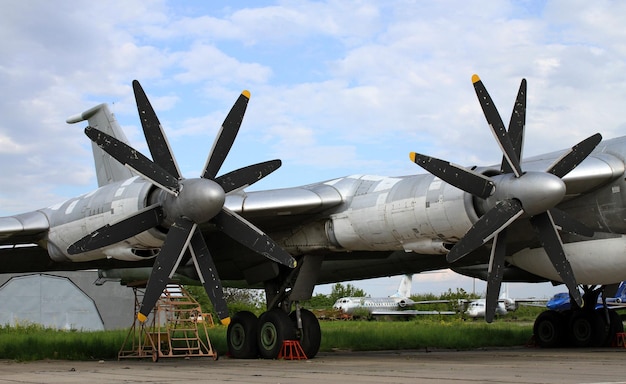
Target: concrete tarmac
510 365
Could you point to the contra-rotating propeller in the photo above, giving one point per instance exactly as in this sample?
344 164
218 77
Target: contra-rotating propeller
183 204
513 193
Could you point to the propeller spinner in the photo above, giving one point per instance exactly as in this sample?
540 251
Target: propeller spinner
513 193
184 204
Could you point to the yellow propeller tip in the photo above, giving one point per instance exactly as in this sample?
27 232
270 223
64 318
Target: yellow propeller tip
475 78
141 317
412 156
225 321
246 93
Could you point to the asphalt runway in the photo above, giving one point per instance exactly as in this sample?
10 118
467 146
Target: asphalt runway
517 365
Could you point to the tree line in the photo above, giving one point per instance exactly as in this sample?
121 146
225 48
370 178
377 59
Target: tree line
253 300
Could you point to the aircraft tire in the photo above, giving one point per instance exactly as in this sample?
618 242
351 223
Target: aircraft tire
274 327
548 329
311 335
615 326
588 329
241 336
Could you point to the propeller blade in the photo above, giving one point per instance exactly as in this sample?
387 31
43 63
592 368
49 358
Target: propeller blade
497 126
574 156
247 234
209 278
143 220
134 160
462 178
549 237
156 139
566 223
516 126
226 136
495 274
244 177
166 262
492 222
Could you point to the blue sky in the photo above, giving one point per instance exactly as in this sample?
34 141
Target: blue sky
338 87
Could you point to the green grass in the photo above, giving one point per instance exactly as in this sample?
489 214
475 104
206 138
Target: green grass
27 343
456 334
33 342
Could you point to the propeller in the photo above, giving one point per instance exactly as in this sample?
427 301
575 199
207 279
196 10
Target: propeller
184 204
513 194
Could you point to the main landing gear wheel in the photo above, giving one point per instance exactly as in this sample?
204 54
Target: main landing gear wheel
588 329
549 329
577 328
311 335
241 336
275 326
616 326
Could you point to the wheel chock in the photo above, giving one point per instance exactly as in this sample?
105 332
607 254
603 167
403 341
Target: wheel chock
292 350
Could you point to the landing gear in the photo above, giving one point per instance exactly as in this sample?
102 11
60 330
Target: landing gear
588 329
615 326
248 337
310 335
578 327
549 329
241 336
274 328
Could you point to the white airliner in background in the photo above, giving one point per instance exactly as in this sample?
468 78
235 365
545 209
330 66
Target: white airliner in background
394 305
476 308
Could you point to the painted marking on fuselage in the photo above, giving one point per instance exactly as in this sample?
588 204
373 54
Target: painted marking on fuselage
58 206
129 181
436 184
71 207
386 184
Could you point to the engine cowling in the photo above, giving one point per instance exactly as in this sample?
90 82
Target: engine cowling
418 213
76 218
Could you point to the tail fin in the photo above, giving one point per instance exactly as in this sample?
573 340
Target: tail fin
108 169
404 290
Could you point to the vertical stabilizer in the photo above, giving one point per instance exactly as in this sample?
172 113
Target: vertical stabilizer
404 290
108 169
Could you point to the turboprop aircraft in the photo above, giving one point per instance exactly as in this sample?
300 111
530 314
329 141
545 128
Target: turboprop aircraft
556 217
398 304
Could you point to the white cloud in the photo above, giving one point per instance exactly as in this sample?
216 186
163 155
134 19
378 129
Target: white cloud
337 87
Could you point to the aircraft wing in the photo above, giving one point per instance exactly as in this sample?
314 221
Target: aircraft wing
27 228
23 259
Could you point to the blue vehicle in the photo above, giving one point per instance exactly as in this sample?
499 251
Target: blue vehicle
561 301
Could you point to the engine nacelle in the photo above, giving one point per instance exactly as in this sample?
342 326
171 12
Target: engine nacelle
418 213
76 218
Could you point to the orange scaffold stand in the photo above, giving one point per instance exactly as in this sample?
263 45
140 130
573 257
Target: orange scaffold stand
176 328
